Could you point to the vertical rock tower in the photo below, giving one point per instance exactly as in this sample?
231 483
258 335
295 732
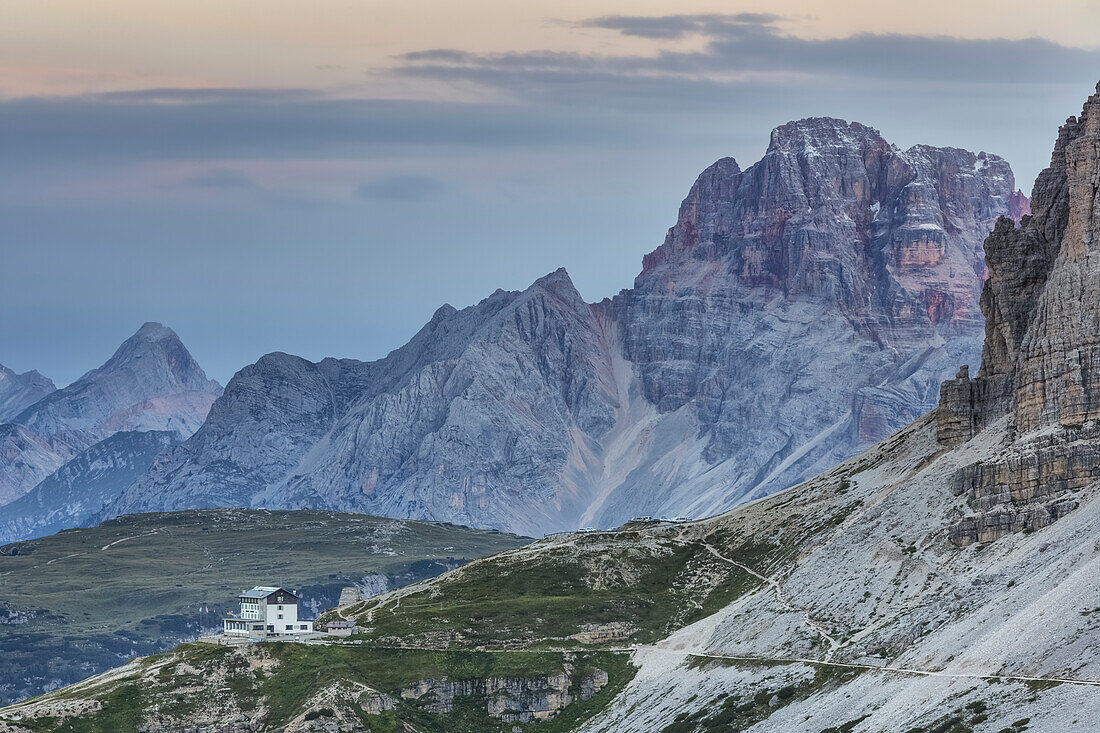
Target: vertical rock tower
1041 356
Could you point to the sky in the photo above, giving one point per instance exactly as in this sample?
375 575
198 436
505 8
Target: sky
319 177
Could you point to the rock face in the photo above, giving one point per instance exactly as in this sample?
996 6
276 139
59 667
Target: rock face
798 311
338 708
150 383
75 493
20 391
1041 358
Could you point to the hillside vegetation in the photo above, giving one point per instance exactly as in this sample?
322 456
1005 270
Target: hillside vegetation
84 600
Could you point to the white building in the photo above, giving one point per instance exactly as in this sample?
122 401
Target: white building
267 612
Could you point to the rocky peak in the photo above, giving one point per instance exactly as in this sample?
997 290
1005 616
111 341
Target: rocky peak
150 377
715 188
556 281
158 352
1019 206
834 211
445 311
559 287
153 331
19 391
820 166
823 136
150 383
835 217
1059 359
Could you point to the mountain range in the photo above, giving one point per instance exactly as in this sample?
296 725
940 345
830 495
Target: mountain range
798 311
945 579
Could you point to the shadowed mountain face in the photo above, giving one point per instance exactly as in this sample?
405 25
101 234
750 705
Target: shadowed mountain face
150 383
799 310
75 493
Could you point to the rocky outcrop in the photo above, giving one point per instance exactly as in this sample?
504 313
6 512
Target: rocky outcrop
799 310
20 391
349 596
1059 357
1017 301
150 383
340 707
510 699
613 631
1041 357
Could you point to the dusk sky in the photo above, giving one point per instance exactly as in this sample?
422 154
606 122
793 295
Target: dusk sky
318 178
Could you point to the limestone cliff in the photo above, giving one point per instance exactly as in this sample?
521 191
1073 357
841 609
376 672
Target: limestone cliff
1041 357
811 305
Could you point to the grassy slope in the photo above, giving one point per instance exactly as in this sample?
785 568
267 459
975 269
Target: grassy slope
505 616
656 586
135 584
